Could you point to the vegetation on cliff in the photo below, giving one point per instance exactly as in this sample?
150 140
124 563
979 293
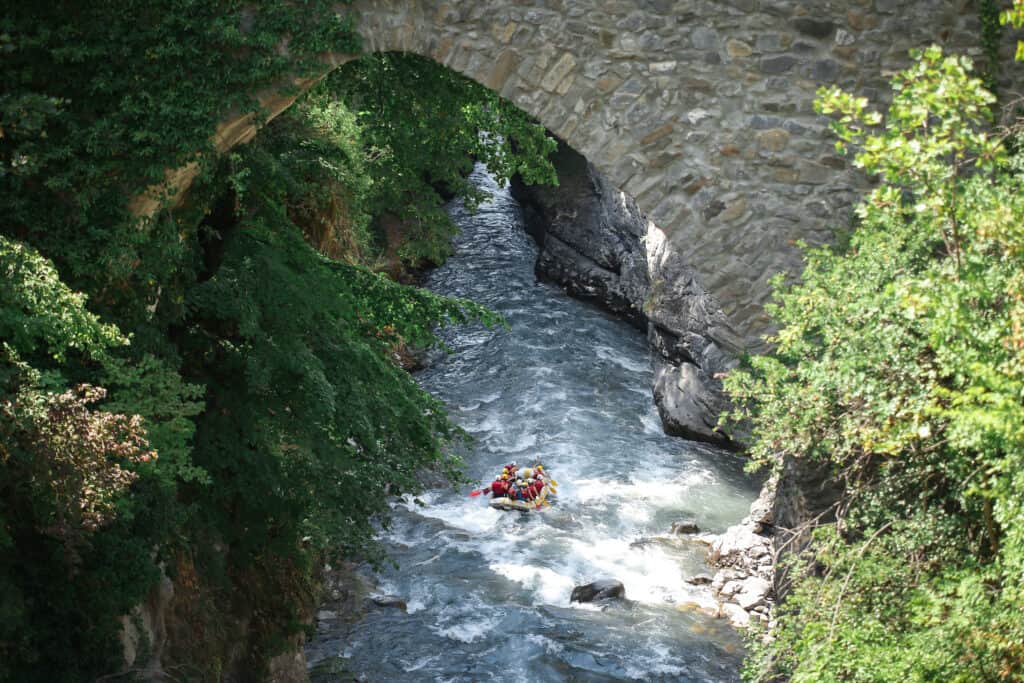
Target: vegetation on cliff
212 391
898 361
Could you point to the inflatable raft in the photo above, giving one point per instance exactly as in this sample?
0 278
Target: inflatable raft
540 502
523 480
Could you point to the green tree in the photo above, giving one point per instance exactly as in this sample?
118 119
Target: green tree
213 391
898 363
424 126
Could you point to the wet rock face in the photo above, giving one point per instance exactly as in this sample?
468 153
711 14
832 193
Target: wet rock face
589 235
604 589
688 401
595 242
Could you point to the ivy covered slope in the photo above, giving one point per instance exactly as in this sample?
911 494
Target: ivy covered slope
899 362
213 392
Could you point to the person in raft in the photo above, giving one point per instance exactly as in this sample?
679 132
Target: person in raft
500 486
527 487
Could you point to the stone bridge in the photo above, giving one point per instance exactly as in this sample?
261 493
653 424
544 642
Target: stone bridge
699 109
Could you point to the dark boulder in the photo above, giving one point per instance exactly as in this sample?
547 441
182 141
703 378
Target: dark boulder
604 589
589 236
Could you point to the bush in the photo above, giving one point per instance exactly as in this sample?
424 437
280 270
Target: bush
898 361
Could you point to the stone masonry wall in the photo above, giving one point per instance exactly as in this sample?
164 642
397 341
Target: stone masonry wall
700 109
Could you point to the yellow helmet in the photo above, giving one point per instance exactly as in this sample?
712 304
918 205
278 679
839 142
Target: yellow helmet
527 472
505 475
540 467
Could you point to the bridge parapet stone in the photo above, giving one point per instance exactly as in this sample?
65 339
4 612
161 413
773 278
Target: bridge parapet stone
702 109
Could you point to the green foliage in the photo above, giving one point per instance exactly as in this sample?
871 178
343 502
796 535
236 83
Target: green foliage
65 469
40 314
100 98
311 424
218 383
424 126
1014 16
315 155
898 362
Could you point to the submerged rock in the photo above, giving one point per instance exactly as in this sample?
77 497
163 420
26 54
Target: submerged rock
685 526
707 609
604 589
699 580
389 601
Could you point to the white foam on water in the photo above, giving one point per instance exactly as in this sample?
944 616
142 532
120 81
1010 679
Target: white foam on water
522 443
430 560
618 358
550 646
651 423
547 584
646 668
491 423
635 513
471 515
649 574
420 596
651 493
419 663
469 630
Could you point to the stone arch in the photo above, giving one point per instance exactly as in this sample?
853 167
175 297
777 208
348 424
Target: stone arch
702 110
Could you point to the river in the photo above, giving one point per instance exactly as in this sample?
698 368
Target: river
487 592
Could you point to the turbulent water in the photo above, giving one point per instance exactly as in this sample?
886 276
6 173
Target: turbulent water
488 591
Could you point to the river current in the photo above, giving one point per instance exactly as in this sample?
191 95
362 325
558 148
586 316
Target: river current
487 592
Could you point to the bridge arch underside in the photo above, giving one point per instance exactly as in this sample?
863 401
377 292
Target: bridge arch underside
702 110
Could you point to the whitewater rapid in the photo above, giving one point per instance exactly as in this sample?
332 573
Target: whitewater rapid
487 592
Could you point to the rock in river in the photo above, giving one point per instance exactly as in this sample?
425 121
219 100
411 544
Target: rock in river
685 526
389 601
604 589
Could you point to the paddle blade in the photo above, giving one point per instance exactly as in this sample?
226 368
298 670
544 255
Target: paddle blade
474 494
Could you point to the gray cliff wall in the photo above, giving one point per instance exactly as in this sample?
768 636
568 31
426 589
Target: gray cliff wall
595 242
